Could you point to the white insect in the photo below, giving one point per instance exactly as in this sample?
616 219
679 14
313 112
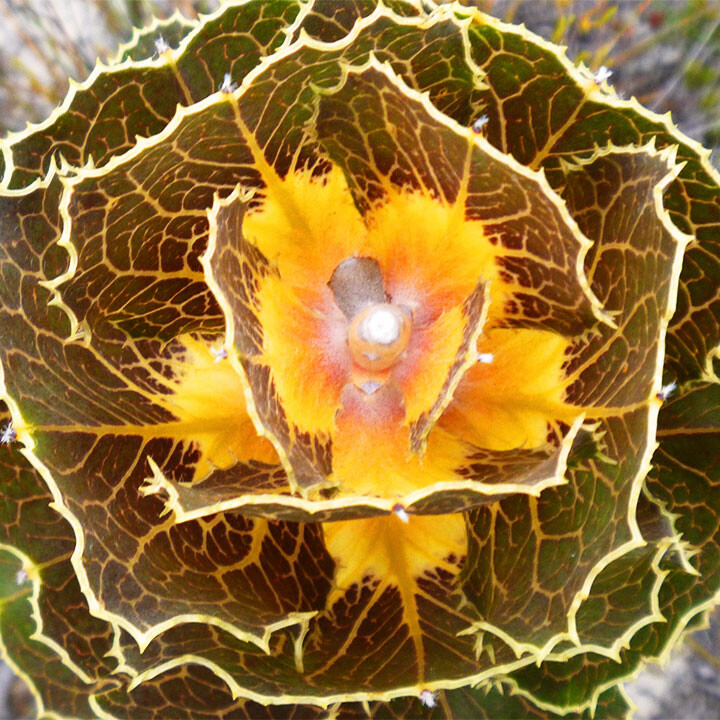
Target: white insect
21 576
480 123
228 85
218 353
427 698
400 511
160 45
603 73
8 434
485 358
666 391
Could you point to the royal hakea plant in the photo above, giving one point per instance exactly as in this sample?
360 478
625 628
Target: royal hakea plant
358 359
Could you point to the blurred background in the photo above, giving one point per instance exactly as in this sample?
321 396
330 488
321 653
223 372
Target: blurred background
664 52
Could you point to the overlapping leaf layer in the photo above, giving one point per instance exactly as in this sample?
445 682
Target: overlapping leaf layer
214 505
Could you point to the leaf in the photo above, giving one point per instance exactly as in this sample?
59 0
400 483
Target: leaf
49 638
684 480
329 21
522 543
393 619
616 199
623 599
102 117
24 508
57 691
541 110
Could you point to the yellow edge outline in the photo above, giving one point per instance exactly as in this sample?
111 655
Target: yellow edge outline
636 540
33 593
34 571
559 710
683 548
238 691
31 567
42 712
681 241
709 375
680 633
159 483
468 361
115 652
229 344
37 636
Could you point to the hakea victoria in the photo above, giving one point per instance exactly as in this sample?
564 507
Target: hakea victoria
336 345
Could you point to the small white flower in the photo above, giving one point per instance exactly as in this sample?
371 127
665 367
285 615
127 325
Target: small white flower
228 85
160 45
480 123
8 434
603 73
666 391
427 698
400 511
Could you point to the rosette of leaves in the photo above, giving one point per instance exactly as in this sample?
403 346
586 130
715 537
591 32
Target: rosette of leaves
337 344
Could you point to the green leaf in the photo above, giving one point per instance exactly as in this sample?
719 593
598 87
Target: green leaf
58 691
102 116
541 110
42 544
329 21
49 637
581 526
685 480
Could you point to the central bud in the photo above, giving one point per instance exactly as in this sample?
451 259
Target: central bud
378 336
